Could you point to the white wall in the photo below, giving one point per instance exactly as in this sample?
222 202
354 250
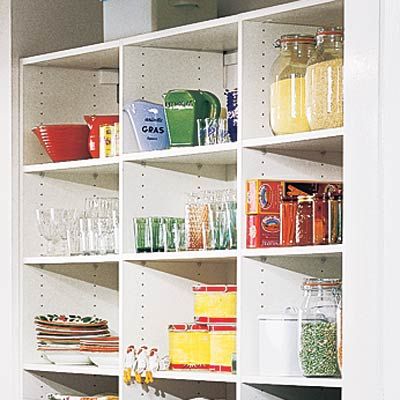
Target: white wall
8 365
42 26
229 7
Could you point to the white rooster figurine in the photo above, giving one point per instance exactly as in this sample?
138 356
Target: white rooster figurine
153 365
129 364
142 362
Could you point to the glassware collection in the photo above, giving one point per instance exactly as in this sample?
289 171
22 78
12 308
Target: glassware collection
283 213
73 232
209 224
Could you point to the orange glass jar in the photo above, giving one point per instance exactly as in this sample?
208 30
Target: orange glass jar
288 220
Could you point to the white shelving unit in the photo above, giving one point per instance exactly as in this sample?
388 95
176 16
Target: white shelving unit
140 294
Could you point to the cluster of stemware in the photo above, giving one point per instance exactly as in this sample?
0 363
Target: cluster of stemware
91 231
210 218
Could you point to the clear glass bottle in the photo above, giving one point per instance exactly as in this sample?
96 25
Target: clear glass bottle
304 221
320 219
288 89
324 81
318 328
288 220
335 210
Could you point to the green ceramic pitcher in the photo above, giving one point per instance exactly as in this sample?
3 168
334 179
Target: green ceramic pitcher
182 110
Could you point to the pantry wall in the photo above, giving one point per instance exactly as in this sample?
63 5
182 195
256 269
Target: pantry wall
141 294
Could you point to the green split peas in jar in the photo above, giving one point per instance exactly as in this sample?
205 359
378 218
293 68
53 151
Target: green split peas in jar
318 328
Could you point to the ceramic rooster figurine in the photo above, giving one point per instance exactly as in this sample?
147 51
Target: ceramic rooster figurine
129 364
142 363
153 365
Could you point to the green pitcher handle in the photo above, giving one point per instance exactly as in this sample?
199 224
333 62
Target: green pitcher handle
215 104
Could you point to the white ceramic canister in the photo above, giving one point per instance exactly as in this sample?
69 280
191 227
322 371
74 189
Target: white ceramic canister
278 336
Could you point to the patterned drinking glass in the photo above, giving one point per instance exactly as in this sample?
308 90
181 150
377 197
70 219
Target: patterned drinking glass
158 233
142 235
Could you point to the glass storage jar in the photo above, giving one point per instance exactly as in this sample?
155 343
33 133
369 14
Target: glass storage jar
288 211
318 327
335 218
304 221
340 336
320 218
324 81
287 90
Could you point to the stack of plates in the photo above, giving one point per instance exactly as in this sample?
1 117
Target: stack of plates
59 336
54 396
102 351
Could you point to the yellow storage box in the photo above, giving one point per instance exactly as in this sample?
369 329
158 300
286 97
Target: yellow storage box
189 347
215 301
222 347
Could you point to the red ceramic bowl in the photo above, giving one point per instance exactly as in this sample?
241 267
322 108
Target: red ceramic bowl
64 142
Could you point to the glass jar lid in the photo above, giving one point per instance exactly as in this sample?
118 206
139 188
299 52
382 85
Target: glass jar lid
333 34
294 38
307 198
321 283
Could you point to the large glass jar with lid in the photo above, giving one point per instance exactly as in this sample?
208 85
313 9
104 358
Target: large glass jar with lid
287 91
324 81
318 328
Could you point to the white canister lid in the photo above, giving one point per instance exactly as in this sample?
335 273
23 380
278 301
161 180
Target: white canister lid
290 314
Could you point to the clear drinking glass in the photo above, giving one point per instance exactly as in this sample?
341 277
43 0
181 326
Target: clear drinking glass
180 235
158 233
172 232
211 131
74 240
48 222
201 132
223 133
231 210
142 235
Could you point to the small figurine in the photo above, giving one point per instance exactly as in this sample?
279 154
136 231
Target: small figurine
142 362
153 365
129 364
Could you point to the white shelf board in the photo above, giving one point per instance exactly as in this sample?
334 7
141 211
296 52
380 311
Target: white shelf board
293 381
214 35
110 258
72 369
196 376
327 140
183 256
219 34
102 55
303 12
109 165
220 154
333 250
